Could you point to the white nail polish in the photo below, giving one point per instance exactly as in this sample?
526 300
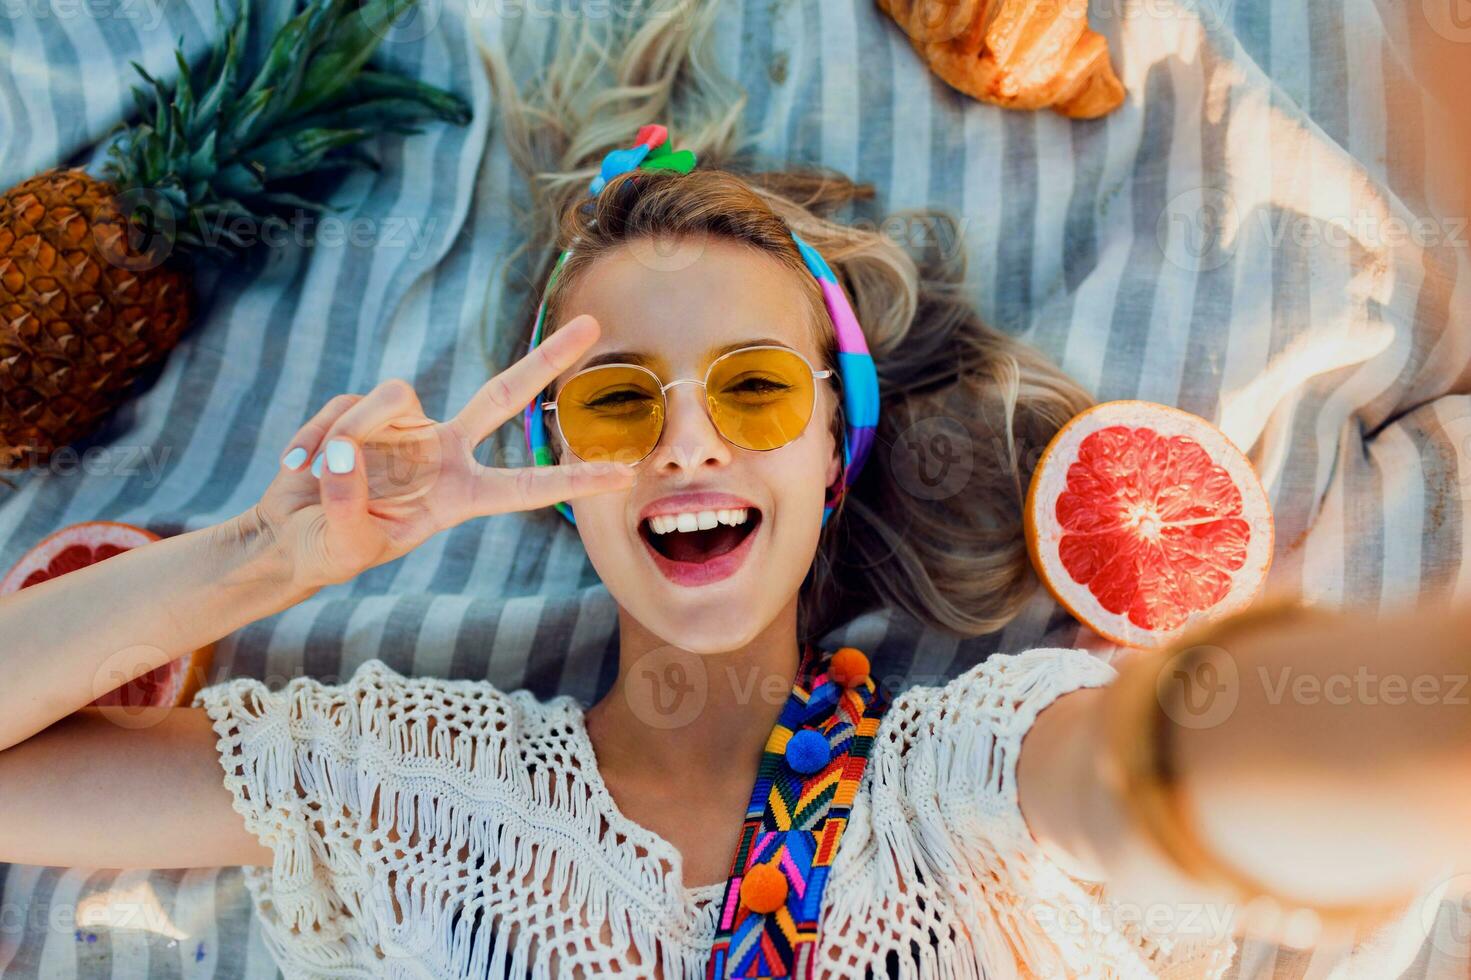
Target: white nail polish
317 466
294 459
339 456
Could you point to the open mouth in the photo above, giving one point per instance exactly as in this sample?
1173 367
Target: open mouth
698 545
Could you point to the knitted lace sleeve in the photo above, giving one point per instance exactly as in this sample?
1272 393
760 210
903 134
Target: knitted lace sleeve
960 744
298 767
964 739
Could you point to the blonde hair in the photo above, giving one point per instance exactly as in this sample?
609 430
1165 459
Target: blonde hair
955 561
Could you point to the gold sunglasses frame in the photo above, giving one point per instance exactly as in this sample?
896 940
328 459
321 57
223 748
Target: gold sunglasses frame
825 373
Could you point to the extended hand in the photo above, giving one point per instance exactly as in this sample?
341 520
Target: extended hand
391 477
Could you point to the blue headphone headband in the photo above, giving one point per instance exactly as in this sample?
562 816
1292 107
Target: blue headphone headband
652 151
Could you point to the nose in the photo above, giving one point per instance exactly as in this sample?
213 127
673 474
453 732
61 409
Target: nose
690 445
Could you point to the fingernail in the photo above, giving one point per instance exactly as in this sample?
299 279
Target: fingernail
294 459
317 466
339 456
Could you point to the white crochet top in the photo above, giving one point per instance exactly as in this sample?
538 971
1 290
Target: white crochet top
446 829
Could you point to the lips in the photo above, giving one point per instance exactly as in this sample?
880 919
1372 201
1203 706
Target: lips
695 547
714 565
693 501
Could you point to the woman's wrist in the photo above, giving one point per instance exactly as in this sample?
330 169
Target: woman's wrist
250 550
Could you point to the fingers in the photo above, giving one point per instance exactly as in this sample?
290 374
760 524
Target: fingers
508 393
308 438
499 491
344 491
392 400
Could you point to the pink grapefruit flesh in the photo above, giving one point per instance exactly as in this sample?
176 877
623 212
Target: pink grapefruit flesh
1143 520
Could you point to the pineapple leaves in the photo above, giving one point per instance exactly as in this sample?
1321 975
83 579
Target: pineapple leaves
286 64
286 48
384 88
246 114
238 180
202 163
161 98
176 151
231 143
302 152
140 101
352 42
224 70
356 156
184 94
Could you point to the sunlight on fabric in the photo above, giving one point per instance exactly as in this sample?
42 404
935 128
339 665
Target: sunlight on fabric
1252 411
134 907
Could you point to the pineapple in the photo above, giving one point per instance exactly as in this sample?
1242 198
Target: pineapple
94 271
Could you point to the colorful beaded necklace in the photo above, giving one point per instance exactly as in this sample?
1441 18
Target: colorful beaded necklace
809 776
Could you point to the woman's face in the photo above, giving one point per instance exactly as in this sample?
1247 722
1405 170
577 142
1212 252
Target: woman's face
675 307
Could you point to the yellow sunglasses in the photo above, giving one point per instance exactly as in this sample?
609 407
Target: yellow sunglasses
759 398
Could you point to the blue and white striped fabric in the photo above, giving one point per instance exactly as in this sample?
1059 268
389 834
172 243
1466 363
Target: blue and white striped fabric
1223 243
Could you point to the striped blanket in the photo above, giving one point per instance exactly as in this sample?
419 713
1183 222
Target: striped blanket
1248 238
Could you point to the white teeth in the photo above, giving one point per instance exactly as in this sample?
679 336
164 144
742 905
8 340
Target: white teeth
701 520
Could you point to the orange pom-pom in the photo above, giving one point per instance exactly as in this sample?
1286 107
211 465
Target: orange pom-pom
849 667
763 889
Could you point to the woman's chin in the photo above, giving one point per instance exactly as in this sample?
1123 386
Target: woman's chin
713 630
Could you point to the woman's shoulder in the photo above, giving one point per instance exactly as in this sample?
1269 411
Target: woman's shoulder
984 712
1007 682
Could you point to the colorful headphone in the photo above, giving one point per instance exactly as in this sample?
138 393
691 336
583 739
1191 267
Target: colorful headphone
652 151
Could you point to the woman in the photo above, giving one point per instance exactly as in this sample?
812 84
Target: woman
398 826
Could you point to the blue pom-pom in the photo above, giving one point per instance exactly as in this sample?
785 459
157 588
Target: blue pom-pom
808 752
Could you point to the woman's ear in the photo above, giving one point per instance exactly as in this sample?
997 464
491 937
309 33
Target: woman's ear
835 463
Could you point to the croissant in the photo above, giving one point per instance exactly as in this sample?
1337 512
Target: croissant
1019 54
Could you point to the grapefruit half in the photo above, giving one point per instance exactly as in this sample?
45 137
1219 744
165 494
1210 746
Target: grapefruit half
84 544
1143 520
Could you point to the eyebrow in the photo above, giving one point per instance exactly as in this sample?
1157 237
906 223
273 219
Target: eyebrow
645 360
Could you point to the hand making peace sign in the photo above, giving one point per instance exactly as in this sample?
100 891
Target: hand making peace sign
390 477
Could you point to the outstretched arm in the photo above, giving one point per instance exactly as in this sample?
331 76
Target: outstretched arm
126 787
86 792
73 638
1326 757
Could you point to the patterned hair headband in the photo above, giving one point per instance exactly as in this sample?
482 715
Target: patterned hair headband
652 151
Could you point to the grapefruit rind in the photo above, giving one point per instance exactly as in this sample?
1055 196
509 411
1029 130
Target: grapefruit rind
53 544
1044 532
